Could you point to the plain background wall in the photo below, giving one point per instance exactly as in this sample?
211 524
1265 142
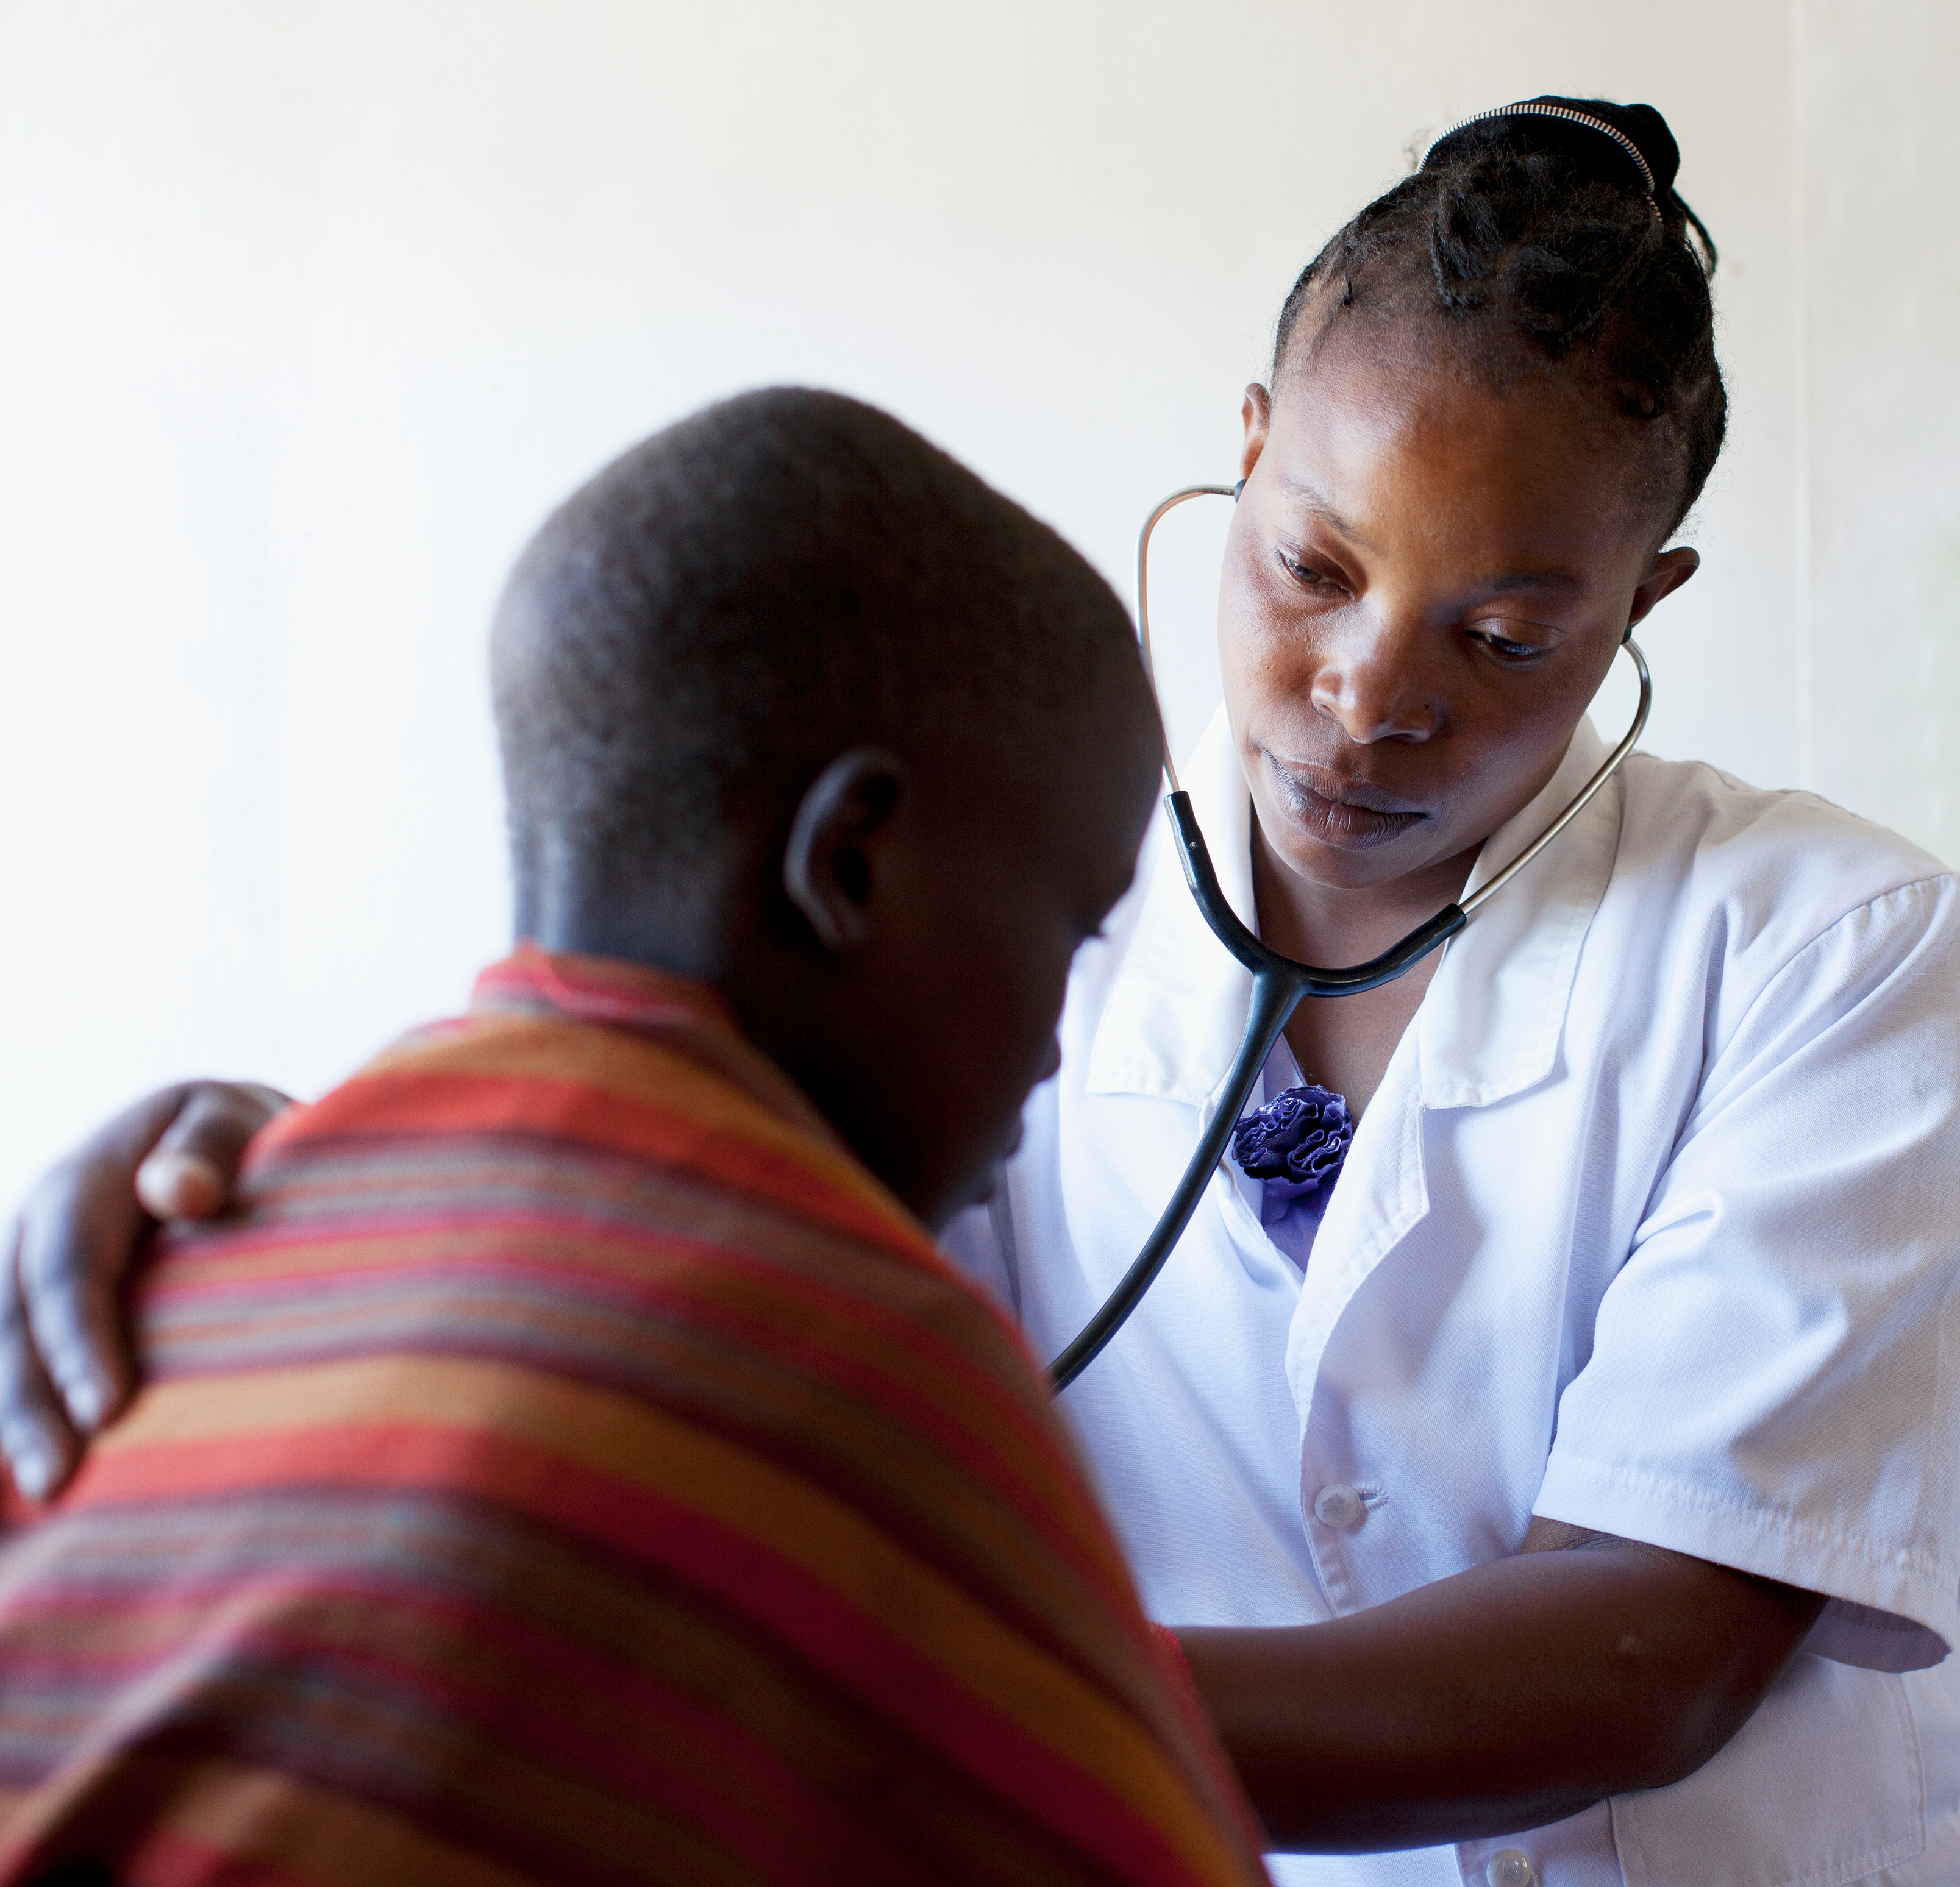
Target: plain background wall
308 314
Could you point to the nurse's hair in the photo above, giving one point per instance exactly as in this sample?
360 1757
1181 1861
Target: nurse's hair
1533 230
733 603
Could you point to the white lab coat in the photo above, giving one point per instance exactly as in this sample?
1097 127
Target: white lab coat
1654 1227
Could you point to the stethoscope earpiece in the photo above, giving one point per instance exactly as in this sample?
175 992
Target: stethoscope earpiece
1238 489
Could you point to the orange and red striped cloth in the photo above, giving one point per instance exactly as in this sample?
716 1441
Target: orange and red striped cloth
573 1466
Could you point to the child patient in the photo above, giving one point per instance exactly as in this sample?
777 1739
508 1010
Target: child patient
576 1464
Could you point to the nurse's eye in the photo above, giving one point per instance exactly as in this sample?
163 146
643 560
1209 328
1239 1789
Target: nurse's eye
1513 653
1307 577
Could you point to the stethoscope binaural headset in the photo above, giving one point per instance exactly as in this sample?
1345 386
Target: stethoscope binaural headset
1278 983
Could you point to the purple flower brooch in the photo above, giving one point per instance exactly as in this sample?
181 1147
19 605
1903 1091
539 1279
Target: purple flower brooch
1295 1144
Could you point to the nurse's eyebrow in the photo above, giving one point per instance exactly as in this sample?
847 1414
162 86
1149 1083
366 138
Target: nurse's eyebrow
1561 582
1557 582
1314 502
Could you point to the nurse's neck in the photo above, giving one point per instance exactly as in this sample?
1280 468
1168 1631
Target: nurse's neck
1347 1044
1332 925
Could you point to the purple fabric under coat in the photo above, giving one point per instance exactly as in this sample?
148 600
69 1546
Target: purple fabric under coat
1294 1146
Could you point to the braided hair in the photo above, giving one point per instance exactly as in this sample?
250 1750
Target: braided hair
1538 230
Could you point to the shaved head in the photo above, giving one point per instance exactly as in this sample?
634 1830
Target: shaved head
792 704
743 596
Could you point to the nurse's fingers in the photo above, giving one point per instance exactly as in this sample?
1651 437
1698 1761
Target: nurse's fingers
35 1437
78 1231
190 1170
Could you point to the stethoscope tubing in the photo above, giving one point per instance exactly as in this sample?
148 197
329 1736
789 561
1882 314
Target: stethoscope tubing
1279 983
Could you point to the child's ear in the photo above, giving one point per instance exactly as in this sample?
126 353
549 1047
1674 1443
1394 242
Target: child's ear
842 828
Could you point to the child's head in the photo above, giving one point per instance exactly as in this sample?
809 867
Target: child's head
790 701
1494 397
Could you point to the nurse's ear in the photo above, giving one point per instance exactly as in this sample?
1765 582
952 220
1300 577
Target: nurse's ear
1665 574
1258 414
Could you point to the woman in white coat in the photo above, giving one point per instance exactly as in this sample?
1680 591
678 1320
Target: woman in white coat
1566 1491
1643 1251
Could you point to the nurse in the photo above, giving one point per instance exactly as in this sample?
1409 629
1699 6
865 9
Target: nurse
1567 1492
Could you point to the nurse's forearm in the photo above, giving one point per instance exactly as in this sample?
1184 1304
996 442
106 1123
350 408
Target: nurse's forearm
1513 1694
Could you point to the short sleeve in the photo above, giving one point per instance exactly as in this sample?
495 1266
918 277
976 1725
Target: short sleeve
1774 1382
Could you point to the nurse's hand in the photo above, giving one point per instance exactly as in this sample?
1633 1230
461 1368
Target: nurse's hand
64 1362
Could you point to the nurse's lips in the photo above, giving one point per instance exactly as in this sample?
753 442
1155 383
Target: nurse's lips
1347 813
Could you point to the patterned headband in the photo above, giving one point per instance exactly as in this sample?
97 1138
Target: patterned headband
1531 109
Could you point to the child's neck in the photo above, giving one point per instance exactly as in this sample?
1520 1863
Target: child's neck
684 931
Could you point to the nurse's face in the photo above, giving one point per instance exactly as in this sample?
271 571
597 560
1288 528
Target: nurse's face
1425 583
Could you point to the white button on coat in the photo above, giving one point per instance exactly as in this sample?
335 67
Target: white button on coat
1339 1506
1511 1867
1652 1226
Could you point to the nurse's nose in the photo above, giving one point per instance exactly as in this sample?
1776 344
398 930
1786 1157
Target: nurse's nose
1371 680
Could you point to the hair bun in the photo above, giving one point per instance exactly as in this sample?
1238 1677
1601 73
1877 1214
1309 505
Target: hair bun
1649 130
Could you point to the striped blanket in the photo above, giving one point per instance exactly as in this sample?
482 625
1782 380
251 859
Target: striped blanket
573 1466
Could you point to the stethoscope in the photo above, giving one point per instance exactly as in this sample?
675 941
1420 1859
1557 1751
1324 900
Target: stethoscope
1278 983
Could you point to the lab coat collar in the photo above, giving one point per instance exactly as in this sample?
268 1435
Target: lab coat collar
1491 1024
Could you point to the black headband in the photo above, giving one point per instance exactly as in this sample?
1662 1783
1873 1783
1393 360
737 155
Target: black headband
1570 114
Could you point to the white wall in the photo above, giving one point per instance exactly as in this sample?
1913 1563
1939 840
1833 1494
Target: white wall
1878 252
307 313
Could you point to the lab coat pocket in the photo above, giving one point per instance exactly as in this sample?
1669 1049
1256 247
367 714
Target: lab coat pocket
1822 1786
